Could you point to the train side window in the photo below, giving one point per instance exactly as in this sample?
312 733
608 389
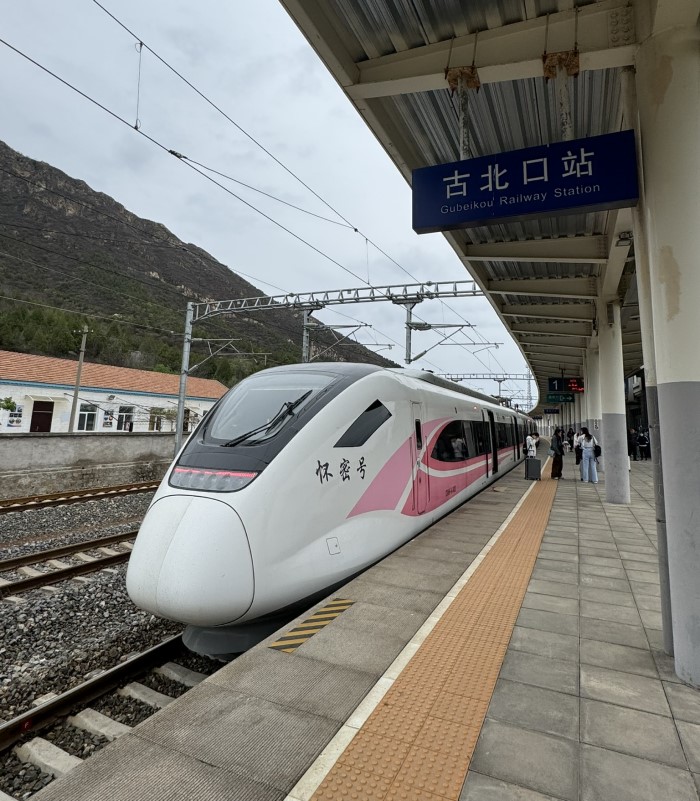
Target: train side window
479 435
419 436
451 445
366 424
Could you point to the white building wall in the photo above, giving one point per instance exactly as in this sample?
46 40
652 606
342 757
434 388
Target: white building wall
107 404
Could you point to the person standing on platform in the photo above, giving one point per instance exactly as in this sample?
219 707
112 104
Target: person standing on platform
643 442
633 445
531 442
570 436
557 448
589 470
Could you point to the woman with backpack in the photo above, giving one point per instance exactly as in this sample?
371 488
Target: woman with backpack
589 471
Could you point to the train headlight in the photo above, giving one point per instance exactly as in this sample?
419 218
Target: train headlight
200 478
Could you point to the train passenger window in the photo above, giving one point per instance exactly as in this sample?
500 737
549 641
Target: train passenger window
502 435
480 436
419 436
366 424
451 445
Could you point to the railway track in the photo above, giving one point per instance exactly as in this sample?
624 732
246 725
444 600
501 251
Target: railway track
45 714
74 496
42 743
59 571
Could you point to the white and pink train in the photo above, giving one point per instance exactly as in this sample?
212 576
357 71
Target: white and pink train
301 477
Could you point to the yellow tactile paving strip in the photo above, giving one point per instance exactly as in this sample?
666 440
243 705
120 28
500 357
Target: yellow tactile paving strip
418 742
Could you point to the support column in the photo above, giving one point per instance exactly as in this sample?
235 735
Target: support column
595 422
612 401
646 323
668 88
577 412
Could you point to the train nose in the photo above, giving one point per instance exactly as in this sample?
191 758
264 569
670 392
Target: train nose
191 562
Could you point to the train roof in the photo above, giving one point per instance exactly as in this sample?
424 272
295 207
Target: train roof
355 370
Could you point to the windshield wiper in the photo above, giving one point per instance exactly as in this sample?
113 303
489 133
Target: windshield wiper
285 411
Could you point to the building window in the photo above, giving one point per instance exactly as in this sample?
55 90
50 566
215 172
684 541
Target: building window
87 417
125 418
155 419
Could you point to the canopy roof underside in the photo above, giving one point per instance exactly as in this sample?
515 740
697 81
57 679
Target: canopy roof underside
545 277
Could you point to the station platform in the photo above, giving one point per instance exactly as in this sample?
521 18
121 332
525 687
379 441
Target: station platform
512 652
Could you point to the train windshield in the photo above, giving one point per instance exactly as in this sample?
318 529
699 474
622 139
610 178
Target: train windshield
260 406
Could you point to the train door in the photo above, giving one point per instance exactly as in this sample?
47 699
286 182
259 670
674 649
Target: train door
421 487
494 442
517 441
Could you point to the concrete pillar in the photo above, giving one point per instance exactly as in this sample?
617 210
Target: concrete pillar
646 323
577 411
612 401
595 422
668 90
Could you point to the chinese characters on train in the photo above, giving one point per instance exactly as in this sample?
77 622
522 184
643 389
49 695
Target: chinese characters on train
345 470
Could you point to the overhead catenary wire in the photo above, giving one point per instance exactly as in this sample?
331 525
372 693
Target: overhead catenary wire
163 147
240 128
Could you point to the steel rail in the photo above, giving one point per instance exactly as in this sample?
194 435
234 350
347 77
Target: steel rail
64 550
41 716
31 583
73 496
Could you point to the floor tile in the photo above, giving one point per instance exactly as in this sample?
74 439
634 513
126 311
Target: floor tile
611 612
485 788
548 621
619 633
545 643
651 619
625 689
599 595
618 657
555 588
535 708
552 674
684 701
632 732
537 761
550 603
609 776
554 575
603 583
690 736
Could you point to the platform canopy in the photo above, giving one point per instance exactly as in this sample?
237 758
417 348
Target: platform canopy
546 276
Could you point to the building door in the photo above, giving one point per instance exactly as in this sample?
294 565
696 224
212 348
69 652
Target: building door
494 442
421 487
42 415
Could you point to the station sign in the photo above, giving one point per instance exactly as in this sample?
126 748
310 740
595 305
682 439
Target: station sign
560 397
559 384
573 177
555 410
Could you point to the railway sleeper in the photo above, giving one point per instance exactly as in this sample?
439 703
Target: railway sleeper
47 757
94 722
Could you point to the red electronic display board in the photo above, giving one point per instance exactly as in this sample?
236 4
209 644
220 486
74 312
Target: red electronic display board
560 384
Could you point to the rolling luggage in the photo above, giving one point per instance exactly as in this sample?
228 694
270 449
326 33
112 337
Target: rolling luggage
533 469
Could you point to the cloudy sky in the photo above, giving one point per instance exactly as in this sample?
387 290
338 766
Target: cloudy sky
249 58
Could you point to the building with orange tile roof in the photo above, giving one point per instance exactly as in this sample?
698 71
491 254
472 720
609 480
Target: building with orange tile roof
109 398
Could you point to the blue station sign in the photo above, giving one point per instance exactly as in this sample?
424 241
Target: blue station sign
581 175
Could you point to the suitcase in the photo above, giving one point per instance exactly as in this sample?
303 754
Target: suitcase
533 469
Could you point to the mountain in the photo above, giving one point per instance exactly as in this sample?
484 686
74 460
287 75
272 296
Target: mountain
65 246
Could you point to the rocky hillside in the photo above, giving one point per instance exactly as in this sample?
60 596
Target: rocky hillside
65 246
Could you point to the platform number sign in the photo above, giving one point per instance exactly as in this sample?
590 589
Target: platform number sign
560 384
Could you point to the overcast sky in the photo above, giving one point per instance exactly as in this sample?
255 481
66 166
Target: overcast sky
249 58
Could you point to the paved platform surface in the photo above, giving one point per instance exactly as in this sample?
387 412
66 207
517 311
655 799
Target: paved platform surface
567 694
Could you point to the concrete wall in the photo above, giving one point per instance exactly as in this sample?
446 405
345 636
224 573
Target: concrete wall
44 463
